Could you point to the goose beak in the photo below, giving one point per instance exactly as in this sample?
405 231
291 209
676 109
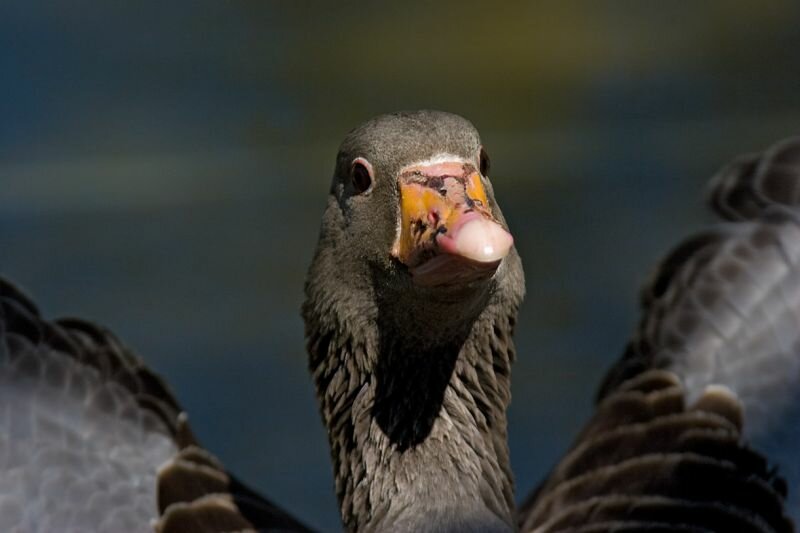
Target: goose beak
448 235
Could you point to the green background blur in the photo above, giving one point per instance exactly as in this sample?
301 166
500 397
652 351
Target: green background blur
163 167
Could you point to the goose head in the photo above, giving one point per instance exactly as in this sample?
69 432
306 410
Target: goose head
410 303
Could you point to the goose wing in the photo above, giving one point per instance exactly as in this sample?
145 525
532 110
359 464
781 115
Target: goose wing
706 398
92 440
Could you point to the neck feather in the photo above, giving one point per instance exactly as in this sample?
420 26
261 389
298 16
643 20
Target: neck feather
417 426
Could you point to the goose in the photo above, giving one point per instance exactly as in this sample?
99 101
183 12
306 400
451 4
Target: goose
411 304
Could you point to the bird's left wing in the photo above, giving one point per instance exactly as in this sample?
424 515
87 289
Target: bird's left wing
708 390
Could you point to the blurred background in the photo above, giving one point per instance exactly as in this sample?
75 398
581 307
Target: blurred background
163 168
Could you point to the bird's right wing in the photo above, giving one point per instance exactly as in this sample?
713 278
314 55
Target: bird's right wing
712 373
92 440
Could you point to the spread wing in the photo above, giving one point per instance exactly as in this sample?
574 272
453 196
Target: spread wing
91 440
711 375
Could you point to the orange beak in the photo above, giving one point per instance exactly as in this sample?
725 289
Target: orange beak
448 234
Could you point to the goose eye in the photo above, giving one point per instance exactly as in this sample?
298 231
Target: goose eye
484 162
361 175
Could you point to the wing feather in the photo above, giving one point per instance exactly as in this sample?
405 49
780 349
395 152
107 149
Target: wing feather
711 374
92 440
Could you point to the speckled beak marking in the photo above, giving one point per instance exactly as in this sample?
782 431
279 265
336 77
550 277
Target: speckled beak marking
448 234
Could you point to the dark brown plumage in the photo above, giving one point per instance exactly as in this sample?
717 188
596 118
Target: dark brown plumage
716 356
413 381
411 304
